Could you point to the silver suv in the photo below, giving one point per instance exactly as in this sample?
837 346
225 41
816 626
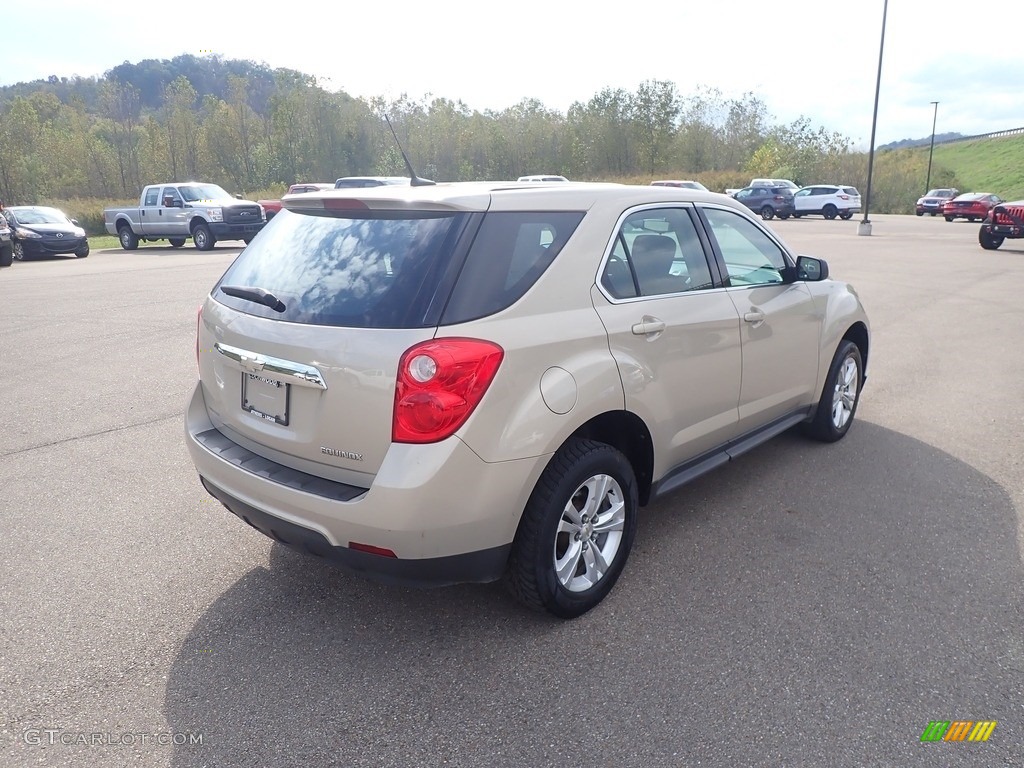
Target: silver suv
468 382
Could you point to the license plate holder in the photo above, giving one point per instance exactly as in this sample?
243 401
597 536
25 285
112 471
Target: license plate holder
266 398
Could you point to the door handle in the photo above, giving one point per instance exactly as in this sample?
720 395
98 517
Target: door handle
755 318
648 325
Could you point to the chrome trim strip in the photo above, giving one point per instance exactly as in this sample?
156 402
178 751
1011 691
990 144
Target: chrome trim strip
254 362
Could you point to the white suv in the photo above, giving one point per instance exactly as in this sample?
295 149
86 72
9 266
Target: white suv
465 382
828 200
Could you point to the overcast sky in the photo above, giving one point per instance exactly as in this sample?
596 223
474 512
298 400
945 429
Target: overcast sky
810 58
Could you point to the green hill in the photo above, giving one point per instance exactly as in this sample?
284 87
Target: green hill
984 165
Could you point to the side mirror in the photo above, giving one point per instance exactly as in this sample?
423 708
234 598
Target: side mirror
75 222
170 202
811 269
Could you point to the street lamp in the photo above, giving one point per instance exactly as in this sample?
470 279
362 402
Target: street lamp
928 181
864 228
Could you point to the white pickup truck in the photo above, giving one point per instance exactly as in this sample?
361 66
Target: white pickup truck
178 211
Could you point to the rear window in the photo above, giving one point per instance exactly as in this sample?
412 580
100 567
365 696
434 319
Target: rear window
510 252
851 191
370 271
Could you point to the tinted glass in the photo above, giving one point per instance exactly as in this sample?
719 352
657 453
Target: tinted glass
851 191
510 252
361 271
152 195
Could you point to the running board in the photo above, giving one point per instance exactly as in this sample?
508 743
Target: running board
691 470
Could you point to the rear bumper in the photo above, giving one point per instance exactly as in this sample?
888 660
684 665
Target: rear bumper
484 565
447 515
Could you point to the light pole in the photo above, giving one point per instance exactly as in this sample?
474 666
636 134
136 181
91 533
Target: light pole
864 228
935 115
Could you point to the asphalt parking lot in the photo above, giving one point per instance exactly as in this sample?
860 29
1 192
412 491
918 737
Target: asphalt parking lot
806 605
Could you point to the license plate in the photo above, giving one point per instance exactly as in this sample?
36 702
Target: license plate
265 398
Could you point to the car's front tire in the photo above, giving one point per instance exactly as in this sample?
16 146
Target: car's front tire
82 252
203 238
576 531
18 251
988 241
767 213
919 213
840 395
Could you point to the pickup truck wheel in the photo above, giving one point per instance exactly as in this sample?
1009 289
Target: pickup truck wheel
129 240
6 256
839 397
830 211
576 531
176 242
202 238
989 241
767 213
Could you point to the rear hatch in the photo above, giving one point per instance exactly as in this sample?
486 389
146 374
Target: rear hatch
299 342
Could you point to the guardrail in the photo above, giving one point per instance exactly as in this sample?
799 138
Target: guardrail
993 135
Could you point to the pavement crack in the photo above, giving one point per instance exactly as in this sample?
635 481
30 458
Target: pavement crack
62 441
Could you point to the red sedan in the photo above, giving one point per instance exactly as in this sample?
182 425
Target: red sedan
970 205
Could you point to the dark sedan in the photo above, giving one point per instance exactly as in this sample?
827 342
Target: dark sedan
41 231
973 206
767 201
932 202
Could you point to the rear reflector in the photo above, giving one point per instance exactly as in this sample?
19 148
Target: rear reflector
370 549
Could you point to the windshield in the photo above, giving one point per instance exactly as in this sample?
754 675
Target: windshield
940 193
194 192
40 216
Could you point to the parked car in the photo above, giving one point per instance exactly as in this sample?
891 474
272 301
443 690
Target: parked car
933 201
176 211
542 177
1005 221
828 200
681 183
38 230
389 402
767 201
271 207
6 247
790 185
972 206
363 182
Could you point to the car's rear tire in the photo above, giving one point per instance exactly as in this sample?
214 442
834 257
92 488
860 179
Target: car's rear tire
202 238
846 215
972 219
767 213
129 240
829 211
6 255
561 562
839 397
176 242
989 241
783 216
949 218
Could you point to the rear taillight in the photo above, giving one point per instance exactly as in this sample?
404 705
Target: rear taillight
439 384
199 325
843 197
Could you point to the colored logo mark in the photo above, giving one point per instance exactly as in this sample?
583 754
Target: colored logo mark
958 730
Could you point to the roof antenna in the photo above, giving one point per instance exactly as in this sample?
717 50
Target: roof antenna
414 180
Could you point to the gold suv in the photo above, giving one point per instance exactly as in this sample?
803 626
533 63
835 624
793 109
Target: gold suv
470 382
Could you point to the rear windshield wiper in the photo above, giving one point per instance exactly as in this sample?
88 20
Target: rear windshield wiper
257 295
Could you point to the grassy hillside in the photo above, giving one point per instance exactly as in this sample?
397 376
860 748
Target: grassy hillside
985 165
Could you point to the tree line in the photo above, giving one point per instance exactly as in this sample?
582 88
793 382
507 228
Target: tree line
255 130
